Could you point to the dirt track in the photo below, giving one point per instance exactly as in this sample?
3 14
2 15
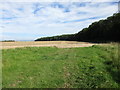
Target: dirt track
59 44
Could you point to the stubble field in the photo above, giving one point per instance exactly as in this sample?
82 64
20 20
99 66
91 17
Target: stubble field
59 44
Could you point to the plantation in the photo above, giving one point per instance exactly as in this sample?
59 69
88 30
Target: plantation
52 67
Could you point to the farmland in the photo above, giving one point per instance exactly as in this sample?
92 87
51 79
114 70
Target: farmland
59 44
96 66
75 45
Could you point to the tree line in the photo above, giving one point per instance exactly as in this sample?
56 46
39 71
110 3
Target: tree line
101 31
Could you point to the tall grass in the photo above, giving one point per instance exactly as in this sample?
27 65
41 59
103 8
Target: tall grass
0 69
113 65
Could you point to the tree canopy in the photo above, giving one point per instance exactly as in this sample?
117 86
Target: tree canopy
101 31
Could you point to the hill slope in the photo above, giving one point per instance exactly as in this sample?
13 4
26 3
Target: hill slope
101 31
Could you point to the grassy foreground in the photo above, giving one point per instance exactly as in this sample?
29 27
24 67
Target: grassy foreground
51 67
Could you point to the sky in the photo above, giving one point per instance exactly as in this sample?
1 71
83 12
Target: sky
32 20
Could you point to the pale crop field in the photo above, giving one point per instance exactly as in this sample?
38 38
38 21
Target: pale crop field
59 44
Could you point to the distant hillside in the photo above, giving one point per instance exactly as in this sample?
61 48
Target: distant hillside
101 31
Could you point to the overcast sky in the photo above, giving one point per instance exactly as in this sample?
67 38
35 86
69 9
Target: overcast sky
30 20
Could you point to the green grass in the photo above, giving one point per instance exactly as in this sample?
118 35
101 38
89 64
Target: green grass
51 67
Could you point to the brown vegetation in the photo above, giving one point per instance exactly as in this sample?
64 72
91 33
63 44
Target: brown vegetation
59 44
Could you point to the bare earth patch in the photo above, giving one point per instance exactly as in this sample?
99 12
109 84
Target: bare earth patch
59 44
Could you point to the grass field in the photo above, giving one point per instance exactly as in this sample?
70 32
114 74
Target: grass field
52 67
